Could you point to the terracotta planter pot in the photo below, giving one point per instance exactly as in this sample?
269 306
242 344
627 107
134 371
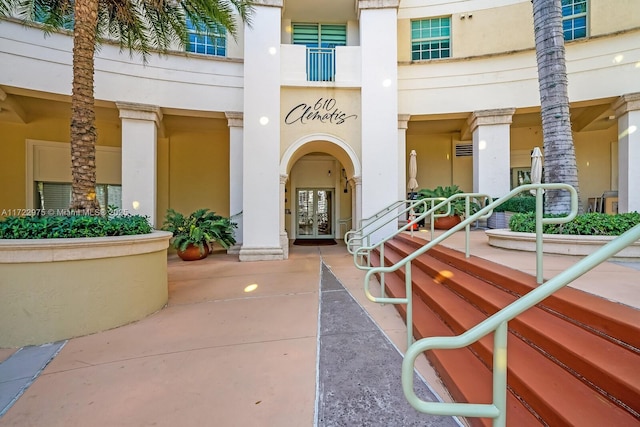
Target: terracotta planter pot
446 222
192 253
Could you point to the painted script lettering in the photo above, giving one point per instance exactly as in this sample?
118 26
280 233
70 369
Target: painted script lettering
324 110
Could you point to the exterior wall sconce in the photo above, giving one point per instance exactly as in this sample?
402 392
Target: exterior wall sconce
346 181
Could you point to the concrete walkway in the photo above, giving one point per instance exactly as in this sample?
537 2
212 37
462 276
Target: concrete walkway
221 355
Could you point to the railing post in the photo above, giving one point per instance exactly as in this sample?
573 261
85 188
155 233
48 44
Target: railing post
467 228
409 297
382 293
539 240
500 374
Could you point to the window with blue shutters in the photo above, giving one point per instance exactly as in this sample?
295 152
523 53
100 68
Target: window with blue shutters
321 41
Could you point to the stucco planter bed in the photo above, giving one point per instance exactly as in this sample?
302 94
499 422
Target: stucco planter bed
55 289
562 244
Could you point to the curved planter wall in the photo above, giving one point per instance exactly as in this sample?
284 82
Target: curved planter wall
559 244
55 289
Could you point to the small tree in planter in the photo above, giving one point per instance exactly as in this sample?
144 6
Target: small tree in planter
193 235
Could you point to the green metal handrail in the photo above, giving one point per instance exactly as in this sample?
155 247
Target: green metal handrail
365 251
442 203
498 323
368 226
444 206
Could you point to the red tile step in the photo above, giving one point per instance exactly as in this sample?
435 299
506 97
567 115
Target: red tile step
563 373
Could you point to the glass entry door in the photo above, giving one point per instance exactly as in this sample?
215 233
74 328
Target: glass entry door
314 213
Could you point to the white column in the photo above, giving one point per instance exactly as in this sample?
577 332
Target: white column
139 158
234 121
627 109
284 238
491 151
379 100
403 124
357 198
261 183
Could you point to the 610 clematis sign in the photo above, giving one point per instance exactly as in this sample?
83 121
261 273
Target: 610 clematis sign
324 110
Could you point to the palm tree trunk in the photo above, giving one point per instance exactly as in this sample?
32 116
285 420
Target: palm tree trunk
83 131
559 153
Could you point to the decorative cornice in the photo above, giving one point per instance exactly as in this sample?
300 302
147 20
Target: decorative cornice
269 3
626 103
403 121
499 116
234 119
135 111
378 4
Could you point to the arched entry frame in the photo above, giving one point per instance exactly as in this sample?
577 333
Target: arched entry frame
329 144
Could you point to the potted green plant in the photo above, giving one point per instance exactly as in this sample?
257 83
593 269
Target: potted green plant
457 206
193 235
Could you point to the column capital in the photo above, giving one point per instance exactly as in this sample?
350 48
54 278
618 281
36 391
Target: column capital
403 121
378 4
269 3
234 118
357 180
627 102
283 178
132 110
499 116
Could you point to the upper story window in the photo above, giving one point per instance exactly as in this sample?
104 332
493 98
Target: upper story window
431 38
320 35
321 41
43 15
574 19
204 42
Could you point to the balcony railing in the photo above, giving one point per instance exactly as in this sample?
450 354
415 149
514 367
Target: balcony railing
321 64
302 67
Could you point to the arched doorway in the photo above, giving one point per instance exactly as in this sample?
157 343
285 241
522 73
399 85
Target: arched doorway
321 199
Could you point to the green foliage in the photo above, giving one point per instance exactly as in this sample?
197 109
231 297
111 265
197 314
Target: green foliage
588 224
200 228
142 26
51 227
518 204
457 205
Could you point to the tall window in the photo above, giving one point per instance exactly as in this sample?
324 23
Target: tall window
574 19
56 196
321 41
201 41
431 38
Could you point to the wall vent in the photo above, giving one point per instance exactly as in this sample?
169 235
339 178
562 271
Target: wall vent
464 150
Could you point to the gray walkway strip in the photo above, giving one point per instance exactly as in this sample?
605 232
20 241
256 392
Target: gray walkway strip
20 370
359 368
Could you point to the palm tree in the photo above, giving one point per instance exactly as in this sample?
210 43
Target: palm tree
559 153
139 26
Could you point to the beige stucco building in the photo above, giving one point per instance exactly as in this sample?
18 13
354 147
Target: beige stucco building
304 124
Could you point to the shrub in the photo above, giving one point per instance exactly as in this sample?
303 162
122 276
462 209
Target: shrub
518 204
588 224
50 227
